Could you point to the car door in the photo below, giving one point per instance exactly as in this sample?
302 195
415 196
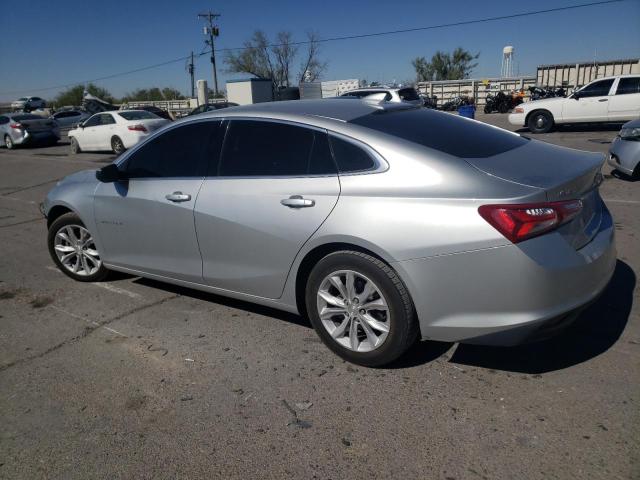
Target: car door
105 131
625 104
87 137
146 222
589 104
275 184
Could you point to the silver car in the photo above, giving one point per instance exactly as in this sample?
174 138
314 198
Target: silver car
624 154
70 118
26 128
381 223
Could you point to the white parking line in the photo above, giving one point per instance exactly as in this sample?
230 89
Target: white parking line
121 291
90 322
106 286
613 200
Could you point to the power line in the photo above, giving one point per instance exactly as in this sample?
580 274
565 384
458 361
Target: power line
333 39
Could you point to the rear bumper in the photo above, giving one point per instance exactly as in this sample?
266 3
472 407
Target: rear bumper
506 295
28 137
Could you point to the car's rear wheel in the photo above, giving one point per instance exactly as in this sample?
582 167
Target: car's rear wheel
117 146
8 142
540 122
360 308
73 249
75 146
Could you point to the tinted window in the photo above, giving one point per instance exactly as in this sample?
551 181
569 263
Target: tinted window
66 114
93 121
350 157
105 119
138 115
4 120
442 131
19 118
597 89
628 85
255 148
408 94
179 152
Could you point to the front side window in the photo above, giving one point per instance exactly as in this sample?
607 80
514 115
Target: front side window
257 148
628 85
597 89
178 152
93 121
4 120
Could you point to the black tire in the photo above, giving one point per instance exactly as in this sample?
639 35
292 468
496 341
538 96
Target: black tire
540 121
117 146
403 325
8 142
487 109
636 172
503 108
75 146
71 219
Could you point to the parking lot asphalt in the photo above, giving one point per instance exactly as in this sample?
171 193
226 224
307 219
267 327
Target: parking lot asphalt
135 379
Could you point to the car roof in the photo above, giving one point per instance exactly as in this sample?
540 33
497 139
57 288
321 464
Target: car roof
340 109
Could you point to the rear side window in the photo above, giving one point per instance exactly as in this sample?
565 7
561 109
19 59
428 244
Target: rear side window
19 118
443 132
106 119
408 94
257 148
597 89
628 85
4 120
138 115
179 152
350 157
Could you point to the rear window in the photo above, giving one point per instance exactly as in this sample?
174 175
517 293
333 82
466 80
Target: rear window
408 94
444 132
19 118
628 85
138 115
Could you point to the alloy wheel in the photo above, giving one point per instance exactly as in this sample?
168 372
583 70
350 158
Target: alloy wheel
76 250
353 310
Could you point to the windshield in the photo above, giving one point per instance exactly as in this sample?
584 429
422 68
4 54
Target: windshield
443 132
138 115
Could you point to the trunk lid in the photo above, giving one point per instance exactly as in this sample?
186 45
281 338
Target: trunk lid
39 125
563 174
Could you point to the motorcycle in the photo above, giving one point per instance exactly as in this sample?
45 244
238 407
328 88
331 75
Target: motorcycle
429 102
502 102
456 102
538 93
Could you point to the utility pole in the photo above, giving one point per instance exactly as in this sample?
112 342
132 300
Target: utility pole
191 69
212 31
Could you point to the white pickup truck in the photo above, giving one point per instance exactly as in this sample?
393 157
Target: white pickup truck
610 99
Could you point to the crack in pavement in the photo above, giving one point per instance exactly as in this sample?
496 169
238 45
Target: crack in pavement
30 187
88 330
23 222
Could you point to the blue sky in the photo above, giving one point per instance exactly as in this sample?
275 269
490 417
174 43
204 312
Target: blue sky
49 43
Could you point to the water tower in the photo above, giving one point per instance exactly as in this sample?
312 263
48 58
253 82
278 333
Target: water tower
507 62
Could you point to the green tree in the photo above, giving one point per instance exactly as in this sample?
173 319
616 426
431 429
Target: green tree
153 94
73 95
445 66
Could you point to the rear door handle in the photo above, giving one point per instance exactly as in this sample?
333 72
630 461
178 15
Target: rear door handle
603 100
297 201
178 197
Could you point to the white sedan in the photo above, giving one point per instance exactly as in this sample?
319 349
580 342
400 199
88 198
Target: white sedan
611 99
116 131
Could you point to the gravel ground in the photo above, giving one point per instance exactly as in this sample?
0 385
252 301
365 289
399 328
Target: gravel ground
135 379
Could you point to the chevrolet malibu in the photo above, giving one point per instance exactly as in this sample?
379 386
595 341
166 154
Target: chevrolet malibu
380 222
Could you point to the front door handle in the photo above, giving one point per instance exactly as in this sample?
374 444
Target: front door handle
297 201
603 100
178 197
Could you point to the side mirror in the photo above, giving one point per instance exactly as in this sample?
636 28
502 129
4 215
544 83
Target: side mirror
110 173
80 125
576 96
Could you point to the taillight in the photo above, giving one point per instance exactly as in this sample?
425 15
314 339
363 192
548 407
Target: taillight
137 128
17 125
520 222
519 110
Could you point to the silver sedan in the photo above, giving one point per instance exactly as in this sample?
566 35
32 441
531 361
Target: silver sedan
381 223
624 154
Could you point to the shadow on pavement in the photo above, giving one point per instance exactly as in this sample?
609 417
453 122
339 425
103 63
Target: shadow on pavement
623 176
593 333
226 301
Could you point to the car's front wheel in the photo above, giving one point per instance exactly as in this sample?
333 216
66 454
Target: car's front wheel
540 122
73 249
75 146
360 308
